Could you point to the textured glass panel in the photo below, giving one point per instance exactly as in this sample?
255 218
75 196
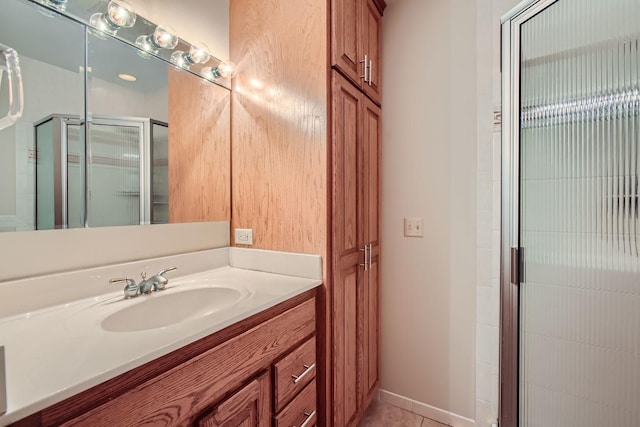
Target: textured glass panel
45 177
580 293
114 175
160 170
128 91
75 176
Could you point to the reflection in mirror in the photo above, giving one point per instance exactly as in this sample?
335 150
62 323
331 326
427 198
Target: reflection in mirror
154 147
126 95
51 51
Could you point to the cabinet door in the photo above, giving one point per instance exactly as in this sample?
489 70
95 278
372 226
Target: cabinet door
347 237
371 290
371 46
248 407
346 43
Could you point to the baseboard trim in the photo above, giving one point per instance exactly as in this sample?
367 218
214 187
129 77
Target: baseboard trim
424 410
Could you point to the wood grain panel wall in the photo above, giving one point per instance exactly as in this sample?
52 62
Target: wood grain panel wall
279 123
199 149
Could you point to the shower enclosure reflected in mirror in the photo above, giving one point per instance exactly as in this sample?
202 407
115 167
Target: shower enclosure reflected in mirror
99 143
127 172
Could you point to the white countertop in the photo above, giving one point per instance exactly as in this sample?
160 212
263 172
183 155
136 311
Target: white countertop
56 352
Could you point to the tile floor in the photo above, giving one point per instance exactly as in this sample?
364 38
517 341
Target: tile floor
384 415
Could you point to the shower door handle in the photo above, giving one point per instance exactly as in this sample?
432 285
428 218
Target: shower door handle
517 266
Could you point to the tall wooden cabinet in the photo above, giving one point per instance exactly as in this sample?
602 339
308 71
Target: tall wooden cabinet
306 184
356 41
356 250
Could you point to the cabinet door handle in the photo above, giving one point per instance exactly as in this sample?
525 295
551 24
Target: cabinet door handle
308 369
308 419
370 72
370 254
366 258
366 64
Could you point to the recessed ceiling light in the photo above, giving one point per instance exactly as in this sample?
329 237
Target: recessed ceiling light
128 77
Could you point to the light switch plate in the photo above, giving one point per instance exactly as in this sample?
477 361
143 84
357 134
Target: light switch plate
413 227
243 236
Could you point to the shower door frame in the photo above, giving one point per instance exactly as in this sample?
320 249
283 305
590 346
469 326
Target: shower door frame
511 253
144 162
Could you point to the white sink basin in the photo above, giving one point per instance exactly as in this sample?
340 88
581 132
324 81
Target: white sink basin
165 309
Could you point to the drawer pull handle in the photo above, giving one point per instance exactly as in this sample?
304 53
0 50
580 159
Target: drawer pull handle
308 419
308 369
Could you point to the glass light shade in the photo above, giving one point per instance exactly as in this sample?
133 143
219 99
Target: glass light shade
145 44
226 69
58 4
121 14
100 23
165 37
179 58
199 53
207 73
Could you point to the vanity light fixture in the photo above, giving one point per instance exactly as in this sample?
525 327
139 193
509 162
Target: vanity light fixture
224 69
198 54
164 37
119 14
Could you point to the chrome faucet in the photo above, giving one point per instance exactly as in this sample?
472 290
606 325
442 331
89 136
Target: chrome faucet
130 289
159 281
155 283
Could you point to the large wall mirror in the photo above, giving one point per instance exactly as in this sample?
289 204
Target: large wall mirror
110 135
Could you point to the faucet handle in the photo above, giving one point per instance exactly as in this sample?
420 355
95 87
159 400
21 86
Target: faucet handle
160 282
130 289
163 272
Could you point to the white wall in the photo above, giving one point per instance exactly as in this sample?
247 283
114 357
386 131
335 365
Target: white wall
429 171
442 143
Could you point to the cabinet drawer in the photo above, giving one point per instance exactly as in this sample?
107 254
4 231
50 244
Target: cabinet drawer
294 372
302 411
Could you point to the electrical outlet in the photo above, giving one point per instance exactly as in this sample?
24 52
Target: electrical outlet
413 227
244 236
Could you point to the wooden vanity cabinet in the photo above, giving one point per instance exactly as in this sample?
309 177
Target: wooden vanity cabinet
356 34
247 407
225 379
295 389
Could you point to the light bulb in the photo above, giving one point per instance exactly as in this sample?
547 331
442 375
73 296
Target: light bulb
198 54
119 14
146 45
165 37
179 58
224 69
207 73
58 4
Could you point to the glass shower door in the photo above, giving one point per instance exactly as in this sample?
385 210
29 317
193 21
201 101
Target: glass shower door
59 142
578 223
115 189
